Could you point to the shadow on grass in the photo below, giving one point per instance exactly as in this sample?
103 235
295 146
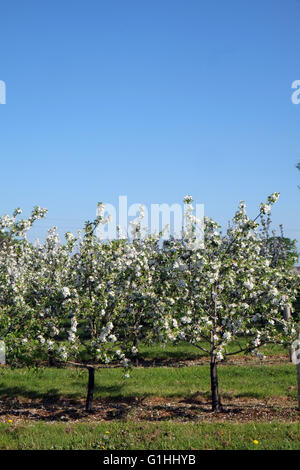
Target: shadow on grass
13 393
168 355
54 395
113 392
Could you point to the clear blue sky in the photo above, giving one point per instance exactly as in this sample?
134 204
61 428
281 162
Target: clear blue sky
150 99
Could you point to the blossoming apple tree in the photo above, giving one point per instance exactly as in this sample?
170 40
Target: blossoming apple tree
229 290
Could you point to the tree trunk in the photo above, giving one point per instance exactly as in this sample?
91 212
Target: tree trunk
298 375
90 392
298 378
51 359
216 404
287 316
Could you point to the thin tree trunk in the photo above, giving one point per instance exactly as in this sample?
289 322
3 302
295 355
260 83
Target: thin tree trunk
287 316
298 378
298 375
216 405
90 392
51 359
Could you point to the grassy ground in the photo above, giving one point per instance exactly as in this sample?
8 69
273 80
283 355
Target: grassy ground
257 381
159 436
161 408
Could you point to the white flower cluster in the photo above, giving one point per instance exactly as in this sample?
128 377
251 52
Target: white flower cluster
107 298
105 332
73 330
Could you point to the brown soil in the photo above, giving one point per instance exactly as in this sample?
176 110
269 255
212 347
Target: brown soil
195 408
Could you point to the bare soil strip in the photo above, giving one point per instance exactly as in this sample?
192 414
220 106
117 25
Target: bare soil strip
195 408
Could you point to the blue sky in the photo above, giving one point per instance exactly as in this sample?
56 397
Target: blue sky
149 99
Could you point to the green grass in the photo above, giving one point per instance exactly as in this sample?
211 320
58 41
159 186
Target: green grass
165 436
182 350
258 381
50 384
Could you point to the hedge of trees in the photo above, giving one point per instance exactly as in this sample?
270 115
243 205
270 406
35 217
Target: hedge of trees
89 301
